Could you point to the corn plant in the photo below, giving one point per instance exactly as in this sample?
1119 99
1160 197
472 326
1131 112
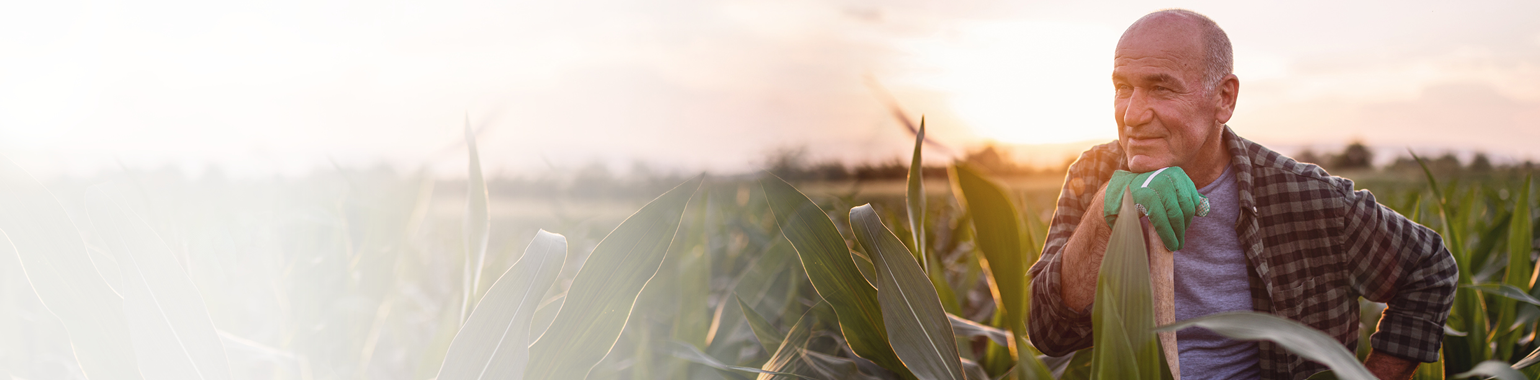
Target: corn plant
715 278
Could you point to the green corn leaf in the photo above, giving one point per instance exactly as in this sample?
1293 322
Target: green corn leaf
833 272
54 258
1078 367
1518 276
1529 360
689 353
173 336
917 326
494 343
1431 371
788 357
1493 369
1297 338
1469 312
966 328
974 370
605 289
998 235
478 223
1123 314
1507 291
768 336
916 198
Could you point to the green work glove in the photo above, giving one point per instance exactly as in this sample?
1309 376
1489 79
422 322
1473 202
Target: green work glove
1166 195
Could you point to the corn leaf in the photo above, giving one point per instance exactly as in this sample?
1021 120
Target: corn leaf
1529 360
1469 312
916 198
689 353
788 357
1123 314
173 336
1518 276
965 328
1507 291
494 343
1297 338
1431 371
54 258
833 272
769 337
917 326
999 236
478 223
1493 369
605 289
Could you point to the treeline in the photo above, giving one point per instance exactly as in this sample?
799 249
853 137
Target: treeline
1358 157
794 165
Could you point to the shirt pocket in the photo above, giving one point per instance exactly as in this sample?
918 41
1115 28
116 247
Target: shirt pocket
1292 301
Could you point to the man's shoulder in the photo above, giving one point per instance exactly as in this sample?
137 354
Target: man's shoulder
1273 173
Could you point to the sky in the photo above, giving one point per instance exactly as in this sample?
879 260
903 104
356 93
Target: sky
269 88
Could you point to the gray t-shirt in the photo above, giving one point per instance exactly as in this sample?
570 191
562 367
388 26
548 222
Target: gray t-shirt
1210 277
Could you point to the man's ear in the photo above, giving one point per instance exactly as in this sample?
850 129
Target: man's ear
1225 94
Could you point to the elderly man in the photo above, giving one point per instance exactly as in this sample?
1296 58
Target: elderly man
1278 237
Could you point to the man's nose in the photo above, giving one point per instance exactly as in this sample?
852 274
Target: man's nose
1138 111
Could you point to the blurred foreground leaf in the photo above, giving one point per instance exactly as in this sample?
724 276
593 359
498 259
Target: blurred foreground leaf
478 222
54 258
1493 369
494 343
605 289
1123 315
1297 338
174 338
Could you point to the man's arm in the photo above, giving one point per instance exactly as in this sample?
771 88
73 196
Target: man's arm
1055 328
1083 257
1404 264
1387 367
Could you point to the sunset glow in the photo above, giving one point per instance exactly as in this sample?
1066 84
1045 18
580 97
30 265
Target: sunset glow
1024 82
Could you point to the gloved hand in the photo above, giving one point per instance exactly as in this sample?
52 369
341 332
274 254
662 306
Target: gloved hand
1166 195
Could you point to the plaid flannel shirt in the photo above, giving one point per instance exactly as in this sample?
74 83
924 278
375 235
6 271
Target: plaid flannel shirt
1313 245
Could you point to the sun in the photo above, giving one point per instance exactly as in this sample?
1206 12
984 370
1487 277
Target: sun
1024 82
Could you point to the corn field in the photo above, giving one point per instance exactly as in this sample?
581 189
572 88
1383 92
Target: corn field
370 275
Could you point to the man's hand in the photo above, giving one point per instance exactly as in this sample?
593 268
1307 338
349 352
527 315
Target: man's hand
1166 195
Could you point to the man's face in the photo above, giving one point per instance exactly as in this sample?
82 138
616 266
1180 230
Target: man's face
1165 115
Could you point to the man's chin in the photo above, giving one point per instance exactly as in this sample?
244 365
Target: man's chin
1140 163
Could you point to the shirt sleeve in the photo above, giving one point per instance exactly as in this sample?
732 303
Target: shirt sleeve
1405 265
1055 329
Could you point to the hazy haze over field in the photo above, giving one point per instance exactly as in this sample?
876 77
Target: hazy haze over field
290 86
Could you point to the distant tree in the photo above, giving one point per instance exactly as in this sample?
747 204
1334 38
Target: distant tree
1355 156
787 162
1308 156
993 160
1446 163
1480 163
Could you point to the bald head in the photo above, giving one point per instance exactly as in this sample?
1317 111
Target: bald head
1191 31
